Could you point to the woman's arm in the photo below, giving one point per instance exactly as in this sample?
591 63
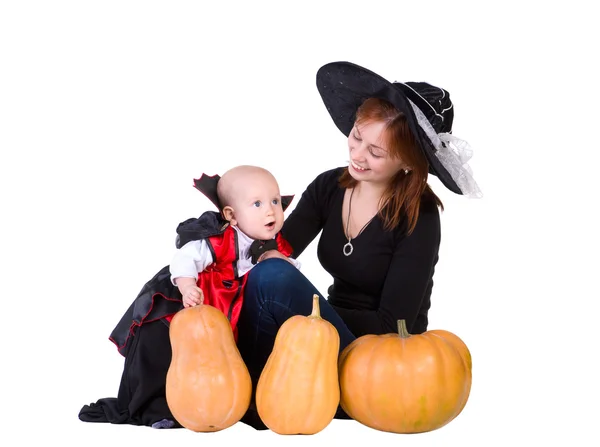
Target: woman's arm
306 220
407 288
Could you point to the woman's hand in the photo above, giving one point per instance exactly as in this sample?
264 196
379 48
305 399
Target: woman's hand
273 254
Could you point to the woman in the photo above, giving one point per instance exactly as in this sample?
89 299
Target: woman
379 218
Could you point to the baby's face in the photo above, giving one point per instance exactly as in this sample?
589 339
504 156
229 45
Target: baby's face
257 208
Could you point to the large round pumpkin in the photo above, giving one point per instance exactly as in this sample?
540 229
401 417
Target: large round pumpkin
298 390
403 383
208 386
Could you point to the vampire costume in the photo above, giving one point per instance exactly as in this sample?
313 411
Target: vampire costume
142 334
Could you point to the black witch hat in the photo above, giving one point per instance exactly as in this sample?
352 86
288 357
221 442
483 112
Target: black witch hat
344 86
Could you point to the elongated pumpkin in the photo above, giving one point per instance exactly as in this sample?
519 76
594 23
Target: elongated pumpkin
298 390
208 386
403 383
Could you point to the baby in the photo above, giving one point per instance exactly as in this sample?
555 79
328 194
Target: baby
214 253
211 270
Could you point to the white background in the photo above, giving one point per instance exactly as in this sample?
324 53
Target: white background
109 109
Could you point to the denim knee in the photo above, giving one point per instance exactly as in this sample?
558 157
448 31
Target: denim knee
277 286
268 277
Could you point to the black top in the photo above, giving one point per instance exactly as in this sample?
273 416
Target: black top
388 277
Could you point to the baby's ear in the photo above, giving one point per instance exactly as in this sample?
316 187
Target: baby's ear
228 215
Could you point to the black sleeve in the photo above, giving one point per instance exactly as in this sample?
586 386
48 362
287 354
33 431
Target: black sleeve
306 220
408 283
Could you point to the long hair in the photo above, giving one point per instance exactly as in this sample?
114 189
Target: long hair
405 192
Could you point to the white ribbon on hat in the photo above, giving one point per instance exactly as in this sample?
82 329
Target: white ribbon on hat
453 153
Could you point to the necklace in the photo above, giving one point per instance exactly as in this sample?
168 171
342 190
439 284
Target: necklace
348 248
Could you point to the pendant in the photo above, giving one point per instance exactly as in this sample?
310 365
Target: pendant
348 246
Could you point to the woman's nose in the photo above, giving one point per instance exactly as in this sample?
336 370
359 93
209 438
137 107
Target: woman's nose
359 150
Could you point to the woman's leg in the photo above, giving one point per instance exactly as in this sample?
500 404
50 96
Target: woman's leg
275 291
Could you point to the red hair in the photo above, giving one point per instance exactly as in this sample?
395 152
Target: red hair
404 193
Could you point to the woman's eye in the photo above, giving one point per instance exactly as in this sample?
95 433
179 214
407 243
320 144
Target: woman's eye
356 137
374 154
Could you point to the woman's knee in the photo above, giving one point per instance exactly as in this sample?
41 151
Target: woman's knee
271 275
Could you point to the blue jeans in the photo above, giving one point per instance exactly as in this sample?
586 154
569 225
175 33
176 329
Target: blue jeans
275 291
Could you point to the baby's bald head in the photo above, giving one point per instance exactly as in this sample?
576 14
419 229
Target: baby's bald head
236 180
250 199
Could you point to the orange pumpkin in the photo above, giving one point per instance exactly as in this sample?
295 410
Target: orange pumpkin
208 386
298 390
403 383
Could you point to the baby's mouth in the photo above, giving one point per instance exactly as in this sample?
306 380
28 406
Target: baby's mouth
270 226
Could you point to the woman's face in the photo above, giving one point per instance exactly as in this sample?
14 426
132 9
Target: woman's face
370 160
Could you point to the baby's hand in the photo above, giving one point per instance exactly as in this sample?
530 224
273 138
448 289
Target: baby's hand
192 295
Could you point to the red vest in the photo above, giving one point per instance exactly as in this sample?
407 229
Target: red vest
220 282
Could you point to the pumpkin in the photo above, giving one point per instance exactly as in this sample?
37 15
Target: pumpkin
403 383
208 386
298 390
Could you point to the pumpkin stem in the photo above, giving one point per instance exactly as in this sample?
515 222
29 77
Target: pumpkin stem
402 330
316 310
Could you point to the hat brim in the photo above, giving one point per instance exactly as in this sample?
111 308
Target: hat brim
344 86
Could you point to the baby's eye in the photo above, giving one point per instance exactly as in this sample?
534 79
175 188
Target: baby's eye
275 201
257 203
